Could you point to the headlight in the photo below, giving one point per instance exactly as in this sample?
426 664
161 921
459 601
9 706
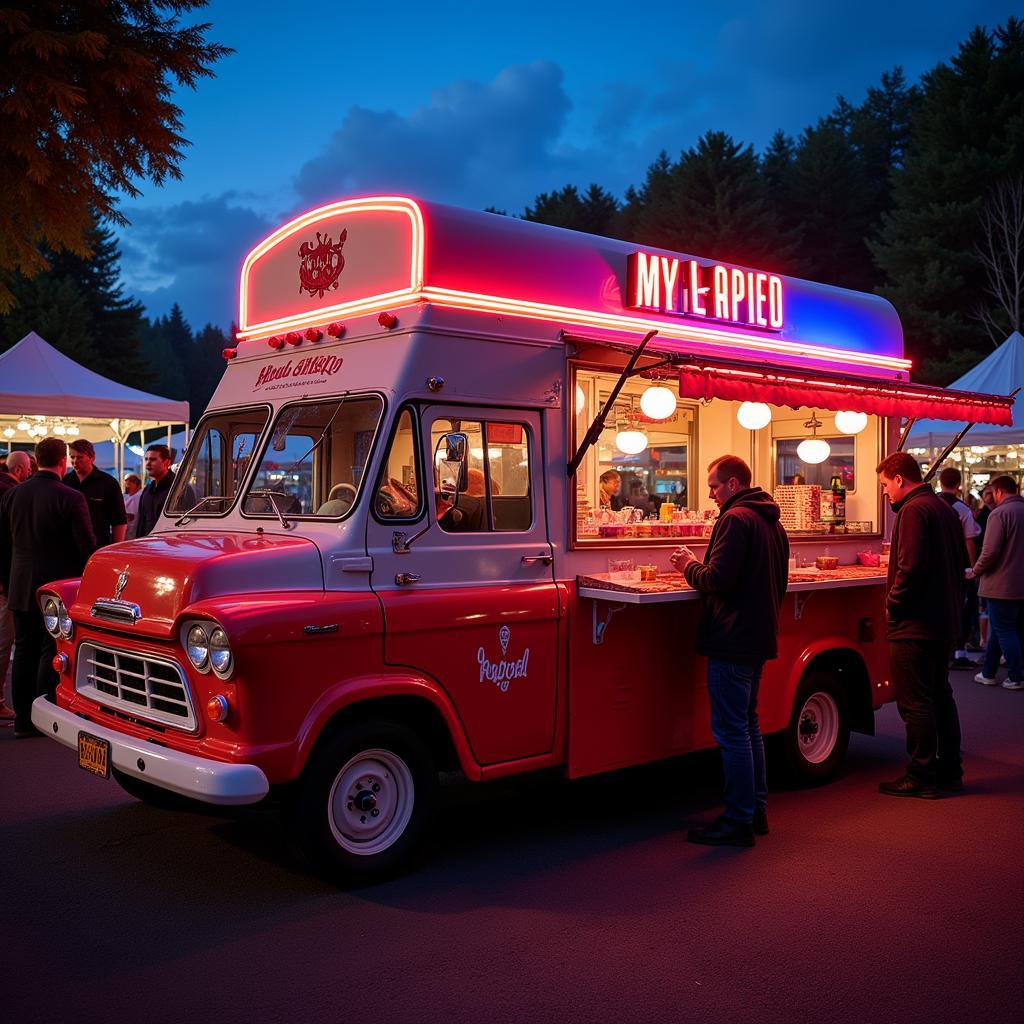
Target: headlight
67 627
220 651
198 646
51 616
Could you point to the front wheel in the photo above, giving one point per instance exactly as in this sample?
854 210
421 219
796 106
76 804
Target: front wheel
364 800
818 734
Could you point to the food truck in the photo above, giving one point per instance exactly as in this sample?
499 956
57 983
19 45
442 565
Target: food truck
425 524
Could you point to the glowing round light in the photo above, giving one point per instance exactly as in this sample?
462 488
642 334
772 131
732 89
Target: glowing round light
581 399
658 402
851 422
60 430
23 424
9 431
631 442
813 450
73 430
754 415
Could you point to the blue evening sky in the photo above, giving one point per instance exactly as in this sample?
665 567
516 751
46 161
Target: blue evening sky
488 105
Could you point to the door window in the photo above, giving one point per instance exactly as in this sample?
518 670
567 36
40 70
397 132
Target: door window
398 488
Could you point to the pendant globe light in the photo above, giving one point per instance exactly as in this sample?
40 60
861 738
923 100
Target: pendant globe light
581 399
630 439
754 415
658 402
813 450
851 422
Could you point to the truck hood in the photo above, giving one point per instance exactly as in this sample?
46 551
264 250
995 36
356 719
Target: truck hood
165 573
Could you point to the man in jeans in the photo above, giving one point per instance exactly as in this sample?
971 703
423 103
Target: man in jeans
923 608
743 578
1000 568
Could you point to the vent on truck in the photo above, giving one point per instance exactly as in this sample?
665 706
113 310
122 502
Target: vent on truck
146 687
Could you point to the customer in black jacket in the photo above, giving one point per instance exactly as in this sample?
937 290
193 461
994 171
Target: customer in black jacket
743 578
45 535
923 609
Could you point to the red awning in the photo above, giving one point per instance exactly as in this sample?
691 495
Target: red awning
779 385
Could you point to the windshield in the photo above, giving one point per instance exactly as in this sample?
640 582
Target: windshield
314 462
216 462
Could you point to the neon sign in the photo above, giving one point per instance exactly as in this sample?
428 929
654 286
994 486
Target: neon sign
713 291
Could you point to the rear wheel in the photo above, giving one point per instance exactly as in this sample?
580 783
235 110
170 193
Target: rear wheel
818 734
364 801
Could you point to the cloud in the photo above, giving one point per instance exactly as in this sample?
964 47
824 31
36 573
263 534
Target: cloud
190 253
476 143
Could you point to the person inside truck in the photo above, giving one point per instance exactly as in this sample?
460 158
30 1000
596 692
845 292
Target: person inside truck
467 515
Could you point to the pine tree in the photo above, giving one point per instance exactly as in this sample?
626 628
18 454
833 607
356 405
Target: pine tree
967 135
58 311
593 212
205 368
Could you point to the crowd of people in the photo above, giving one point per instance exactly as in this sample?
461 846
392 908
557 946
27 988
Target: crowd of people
52 518
938 551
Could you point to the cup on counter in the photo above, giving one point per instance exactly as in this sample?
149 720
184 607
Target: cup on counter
623 570
648 573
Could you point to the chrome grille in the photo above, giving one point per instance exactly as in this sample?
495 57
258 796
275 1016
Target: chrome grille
143 686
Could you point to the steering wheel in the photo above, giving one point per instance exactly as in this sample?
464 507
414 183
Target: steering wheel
385 504
342 492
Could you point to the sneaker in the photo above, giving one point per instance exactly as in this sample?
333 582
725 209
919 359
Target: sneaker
906 786
760 823
1013 684
723 831
962 662
972 648
984 680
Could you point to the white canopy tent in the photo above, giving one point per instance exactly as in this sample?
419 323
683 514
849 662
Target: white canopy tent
43 392
997 374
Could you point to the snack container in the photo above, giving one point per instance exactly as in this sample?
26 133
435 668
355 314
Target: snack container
827 562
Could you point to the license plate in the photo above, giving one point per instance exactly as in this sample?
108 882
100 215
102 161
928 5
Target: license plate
94 755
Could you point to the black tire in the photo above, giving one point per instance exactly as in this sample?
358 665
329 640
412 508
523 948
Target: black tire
818 734
365 767
153 795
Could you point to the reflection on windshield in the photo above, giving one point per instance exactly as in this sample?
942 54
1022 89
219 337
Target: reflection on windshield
316 458
216 462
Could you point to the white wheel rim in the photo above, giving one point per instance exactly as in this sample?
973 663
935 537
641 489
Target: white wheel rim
818 728
372 781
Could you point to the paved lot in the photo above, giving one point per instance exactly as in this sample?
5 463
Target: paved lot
537 901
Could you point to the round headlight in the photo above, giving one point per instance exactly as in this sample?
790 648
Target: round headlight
67 627
220 651
51 616
198 646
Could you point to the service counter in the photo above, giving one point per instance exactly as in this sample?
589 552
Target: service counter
612 594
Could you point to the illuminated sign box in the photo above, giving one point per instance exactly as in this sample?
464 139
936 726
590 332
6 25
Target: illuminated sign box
713 291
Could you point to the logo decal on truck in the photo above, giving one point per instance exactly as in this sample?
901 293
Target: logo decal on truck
502 672
321 265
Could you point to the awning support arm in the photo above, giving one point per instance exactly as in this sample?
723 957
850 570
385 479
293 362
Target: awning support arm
906 433
599 420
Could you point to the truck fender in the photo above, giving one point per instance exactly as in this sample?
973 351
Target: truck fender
361 689
830 645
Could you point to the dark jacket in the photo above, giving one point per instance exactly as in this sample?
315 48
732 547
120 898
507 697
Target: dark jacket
743 577
926 569
151 504
45 535
7 480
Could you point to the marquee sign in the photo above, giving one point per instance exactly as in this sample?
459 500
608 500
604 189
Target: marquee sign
711 292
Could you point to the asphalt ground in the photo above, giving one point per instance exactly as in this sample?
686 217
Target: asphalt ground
536 900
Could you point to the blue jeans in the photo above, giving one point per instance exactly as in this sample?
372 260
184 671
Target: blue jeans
732 686
1006 624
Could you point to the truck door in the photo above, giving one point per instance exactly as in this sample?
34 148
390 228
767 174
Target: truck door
463 566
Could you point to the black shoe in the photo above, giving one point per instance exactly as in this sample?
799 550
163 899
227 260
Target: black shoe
906 786
26 734
760 823
961 663
954 785
723 831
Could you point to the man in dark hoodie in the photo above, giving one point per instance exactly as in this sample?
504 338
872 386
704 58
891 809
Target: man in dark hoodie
923 609
743 578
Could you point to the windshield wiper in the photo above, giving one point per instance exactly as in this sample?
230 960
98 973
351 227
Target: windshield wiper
199 505
271 496
316 444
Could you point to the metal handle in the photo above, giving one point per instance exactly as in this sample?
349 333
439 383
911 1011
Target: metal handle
403 579
544 559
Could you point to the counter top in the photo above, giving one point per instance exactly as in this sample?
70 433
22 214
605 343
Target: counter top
671 586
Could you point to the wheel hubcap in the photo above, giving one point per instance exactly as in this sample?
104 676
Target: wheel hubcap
370 802
818 727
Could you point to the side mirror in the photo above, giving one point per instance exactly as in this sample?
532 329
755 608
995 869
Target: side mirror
452 468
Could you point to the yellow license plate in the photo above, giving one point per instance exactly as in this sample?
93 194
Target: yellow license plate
94 755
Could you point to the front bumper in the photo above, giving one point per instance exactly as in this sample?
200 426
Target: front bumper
213 782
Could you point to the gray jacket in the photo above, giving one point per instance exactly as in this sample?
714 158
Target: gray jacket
1000 567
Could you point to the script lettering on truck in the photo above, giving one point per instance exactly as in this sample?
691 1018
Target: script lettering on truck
301 371
710 291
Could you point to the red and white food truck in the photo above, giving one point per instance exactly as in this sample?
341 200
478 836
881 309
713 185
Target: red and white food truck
425 523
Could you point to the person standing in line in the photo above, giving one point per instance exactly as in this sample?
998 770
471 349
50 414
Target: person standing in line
610 485
16 470
949 492
923 609
45 534
103 496
154 494
1000 568
743 579
132 495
